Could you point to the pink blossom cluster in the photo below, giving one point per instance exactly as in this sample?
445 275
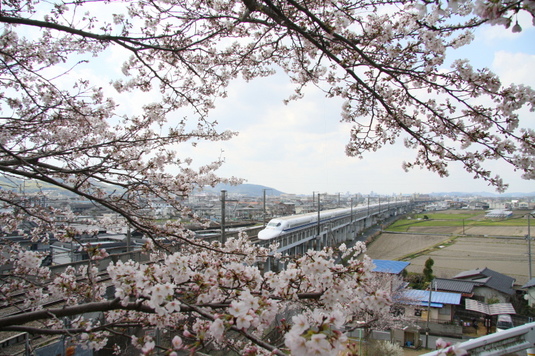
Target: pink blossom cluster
233 295
447 349
64 128
317 333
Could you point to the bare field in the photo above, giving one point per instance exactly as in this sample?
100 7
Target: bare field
509 231
505 255
392 246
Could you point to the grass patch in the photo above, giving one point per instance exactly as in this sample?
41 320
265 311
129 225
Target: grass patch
503 222
435 221
446 216
403 225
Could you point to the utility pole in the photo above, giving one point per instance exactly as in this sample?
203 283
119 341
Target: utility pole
379 202
128 238
223 214
319 217
351 221
428 314
351 210
264 206
223 208
529 244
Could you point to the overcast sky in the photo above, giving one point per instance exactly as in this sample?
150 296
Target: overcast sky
299 147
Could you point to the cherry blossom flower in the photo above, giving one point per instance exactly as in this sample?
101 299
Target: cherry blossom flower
92 139
177 343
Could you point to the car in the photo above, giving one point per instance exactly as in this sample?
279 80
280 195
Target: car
504 322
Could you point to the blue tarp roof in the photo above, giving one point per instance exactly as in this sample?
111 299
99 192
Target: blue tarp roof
387 266
433 305
421 297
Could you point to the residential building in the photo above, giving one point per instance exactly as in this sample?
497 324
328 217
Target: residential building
491 285
530 292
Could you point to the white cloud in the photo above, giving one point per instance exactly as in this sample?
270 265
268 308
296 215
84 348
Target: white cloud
299 147
515 67
497 33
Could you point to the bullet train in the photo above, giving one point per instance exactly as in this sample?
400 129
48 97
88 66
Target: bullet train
283 225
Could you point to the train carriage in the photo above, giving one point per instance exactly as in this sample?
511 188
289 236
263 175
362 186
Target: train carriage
283 225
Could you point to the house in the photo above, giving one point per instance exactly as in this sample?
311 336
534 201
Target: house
491 285
388 274
440 305
499 214
523 205
530 292
466 288
387 266
479 205
282 209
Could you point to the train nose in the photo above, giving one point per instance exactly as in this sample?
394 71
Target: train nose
267 234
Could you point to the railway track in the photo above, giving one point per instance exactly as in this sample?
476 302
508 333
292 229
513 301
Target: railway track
15 304
15 343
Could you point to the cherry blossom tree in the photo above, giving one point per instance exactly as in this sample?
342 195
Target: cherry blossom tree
58 126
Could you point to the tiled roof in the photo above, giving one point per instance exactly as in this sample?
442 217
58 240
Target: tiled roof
416 296
469 274
387 266
489 278
531 283
455 285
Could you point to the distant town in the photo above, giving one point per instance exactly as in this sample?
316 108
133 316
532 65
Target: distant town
255 202
245 205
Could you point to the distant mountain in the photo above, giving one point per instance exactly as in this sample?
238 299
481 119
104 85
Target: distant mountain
251 190
482 194
28 186
254 190
32 186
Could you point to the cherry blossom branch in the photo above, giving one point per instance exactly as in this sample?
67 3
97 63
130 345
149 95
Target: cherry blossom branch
9 321
249 336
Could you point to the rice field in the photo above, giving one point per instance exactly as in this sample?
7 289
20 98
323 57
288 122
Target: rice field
456 247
